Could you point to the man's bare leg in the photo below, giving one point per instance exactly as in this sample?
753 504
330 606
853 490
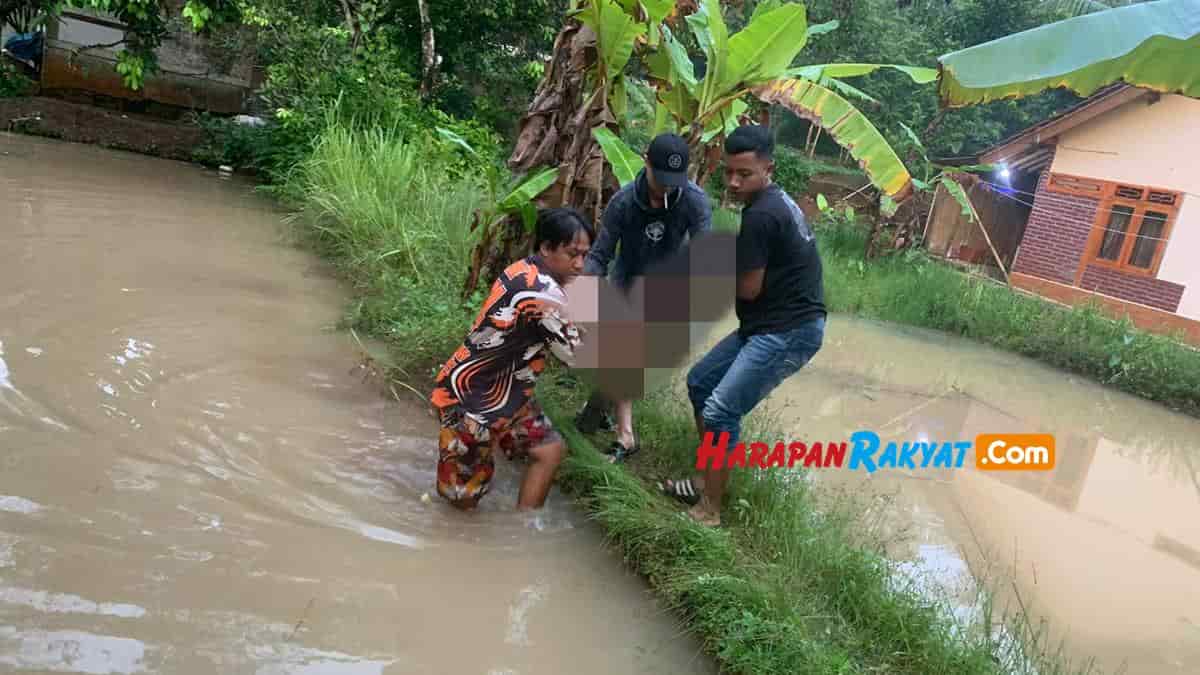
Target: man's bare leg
625 423
539 475
711 485
709 508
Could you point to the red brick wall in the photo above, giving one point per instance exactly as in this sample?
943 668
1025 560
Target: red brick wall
1056 234
1055 238
1156 293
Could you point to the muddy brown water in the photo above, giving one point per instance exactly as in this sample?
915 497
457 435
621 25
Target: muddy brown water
1101 554
194 481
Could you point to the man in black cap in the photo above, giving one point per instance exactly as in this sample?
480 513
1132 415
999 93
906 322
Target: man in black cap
650 218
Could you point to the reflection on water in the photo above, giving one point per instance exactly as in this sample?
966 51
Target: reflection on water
69 651
195 482
1104 546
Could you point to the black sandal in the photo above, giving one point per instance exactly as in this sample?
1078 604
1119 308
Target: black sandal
683 489
620 453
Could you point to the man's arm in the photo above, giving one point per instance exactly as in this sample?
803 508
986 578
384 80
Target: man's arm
749 284
753 250
701 215
601 252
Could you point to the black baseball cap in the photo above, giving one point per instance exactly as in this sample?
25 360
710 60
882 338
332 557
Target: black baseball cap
668 155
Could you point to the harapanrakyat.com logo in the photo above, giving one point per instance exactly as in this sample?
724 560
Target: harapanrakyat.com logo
866 451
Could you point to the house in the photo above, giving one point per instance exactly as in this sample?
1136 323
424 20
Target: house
1101 202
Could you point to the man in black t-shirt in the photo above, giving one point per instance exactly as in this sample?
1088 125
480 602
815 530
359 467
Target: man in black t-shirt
780 309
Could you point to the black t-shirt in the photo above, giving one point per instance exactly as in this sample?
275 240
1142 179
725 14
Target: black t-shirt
775 235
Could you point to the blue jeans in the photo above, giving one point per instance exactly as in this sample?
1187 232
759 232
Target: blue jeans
738 373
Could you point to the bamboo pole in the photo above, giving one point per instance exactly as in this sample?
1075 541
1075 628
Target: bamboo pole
929 217
986 237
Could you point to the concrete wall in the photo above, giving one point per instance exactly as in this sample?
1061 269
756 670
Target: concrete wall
1155 145
214 73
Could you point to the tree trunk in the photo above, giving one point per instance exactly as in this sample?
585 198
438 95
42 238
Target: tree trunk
352 24
429 62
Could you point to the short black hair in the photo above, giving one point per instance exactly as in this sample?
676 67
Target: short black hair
558 226
754 138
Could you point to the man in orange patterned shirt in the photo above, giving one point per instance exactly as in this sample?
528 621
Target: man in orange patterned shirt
484 392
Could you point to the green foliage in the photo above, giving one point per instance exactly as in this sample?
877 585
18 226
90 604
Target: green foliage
311 73
615 32
624 161
383 206
14 83
491 49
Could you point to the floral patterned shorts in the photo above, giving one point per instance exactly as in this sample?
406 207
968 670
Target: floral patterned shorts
466 447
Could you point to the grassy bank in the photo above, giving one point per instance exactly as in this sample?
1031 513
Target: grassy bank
913 289
787 588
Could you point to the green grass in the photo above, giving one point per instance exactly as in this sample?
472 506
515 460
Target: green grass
794 585
378 205
916 290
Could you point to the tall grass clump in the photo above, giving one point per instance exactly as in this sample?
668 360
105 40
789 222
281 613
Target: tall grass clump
383 206
910 288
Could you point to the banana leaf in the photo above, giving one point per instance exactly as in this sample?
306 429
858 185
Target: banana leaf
847 90
848 127
528 190
657 10
724 121
684 71
959 194
708 25
658 63
823 28
616 32
841 70
663 121
625 162
763 7
1154 45
764 49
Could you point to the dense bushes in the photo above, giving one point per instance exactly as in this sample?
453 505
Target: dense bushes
313 75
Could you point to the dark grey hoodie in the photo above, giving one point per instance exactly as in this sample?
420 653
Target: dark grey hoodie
646 235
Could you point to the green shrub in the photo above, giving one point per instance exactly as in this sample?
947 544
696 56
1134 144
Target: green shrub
311 76
13 83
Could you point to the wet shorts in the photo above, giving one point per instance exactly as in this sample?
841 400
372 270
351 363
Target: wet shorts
466 460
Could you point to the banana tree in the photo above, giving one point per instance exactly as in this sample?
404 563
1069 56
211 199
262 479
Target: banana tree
573 122
582 90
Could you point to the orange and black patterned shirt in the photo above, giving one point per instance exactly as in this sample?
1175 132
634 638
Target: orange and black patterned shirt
493 373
